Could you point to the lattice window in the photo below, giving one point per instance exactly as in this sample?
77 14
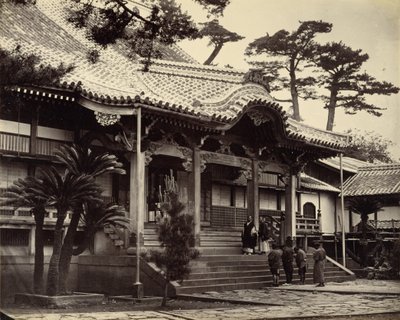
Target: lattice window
14 237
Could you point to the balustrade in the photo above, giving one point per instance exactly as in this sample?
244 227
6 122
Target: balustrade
20 143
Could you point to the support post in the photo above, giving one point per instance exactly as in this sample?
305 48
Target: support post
197 194
255 192
34 129
342 208
139 179
32 240
290 208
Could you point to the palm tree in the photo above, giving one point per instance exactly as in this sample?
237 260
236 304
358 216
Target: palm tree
96 218
81 160
63 192
364 206
20 195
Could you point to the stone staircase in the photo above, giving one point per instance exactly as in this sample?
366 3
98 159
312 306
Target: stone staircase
233 272
213 242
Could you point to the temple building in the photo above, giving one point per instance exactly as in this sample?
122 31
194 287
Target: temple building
232 149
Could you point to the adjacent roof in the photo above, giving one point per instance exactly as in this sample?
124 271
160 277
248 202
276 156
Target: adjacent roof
382 179
308 182
115 83
349 164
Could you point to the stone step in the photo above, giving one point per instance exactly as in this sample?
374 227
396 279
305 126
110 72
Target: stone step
252 273
233 272
227 280
221 287
249 285
227 274
240 268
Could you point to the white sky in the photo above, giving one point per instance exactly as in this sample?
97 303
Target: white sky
370 25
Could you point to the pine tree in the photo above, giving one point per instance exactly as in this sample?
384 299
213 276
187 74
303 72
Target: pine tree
348 87
218 37
290 52
176 236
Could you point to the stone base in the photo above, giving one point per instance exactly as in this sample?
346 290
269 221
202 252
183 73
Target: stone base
77 298
138 291
144 300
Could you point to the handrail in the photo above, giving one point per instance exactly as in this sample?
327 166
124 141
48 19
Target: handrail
337 264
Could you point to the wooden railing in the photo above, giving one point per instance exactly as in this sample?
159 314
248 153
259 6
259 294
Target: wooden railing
25 214
14 142
307 225
20 143
46 147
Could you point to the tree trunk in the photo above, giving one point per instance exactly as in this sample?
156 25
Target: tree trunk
293 92
52 275
213 54
67 250
38 269
85 243
332 109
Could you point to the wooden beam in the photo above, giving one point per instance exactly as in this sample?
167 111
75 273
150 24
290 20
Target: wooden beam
197 193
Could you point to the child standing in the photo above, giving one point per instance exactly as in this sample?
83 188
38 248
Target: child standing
274 259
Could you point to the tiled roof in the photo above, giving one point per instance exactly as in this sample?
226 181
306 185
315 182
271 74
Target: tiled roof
208 92
349 164
311 183
374 180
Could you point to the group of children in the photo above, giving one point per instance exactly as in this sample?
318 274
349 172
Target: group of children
287 254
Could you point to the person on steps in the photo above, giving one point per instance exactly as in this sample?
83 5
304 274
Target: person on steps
249 236
319 257
301 262
274 259
263 236
287 259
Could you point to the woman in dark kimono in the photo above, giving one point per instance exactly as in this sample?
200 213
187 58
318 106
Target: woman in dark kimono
249 236
319 265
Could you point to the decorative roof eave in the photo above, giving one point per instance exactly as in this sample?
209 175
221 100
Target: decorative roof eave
125 106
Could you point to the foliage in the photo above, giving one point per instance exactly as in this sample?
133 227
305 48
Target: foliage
97 217
20 194
364 206
18 68
175 233
166 24
290 51
83 161
214 7
21 68
218 37
394 258
347 85
368 146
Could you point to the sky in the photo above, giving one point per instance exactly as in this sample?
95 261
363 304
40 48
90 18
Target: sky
370 25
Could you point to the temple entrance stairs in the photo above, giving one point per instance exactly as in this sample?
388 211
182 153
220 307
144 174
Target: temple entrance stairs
235 271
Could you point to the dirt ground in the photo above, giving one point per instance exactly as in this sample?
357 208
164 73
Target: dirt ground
110 306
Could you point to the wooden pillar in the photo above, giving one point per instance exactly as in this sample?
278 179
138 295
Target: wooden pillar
290 207
31 244
350 221
136 193
197 194
255 192
34 129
